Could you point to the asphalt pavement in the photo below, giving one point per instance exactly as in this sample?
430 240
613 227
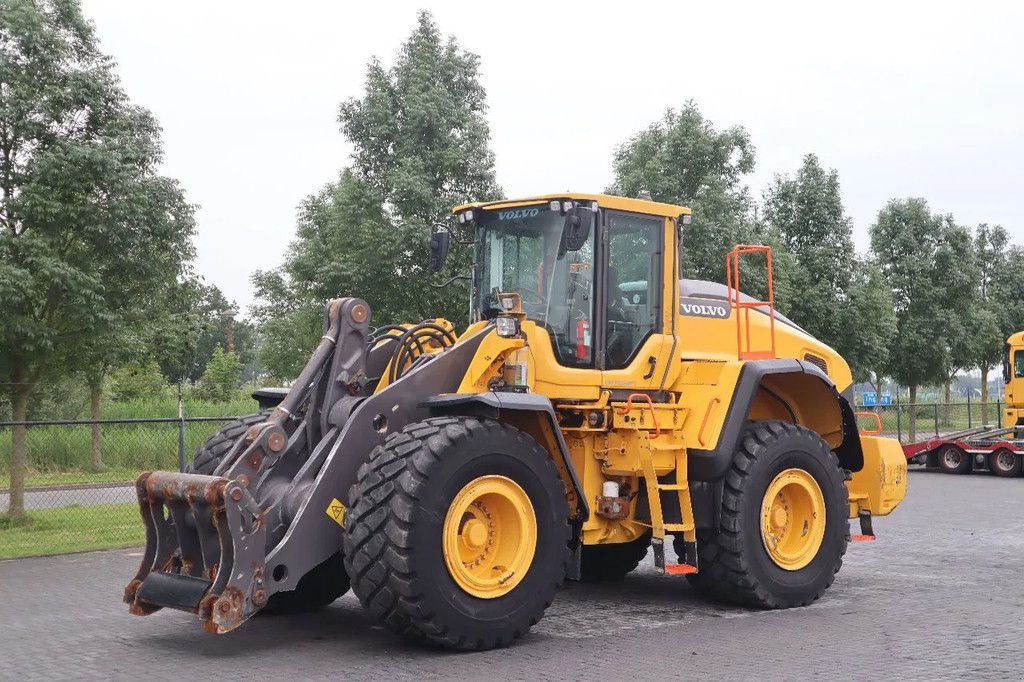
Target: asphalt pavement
85 495
939 595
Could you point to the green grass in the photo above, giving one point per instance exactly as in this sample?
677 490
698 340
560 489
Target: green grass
168 407
39 480
59 455
71 529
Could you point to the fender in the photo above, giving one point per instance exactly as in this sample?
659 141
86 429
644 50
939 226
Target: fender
497 405
709 465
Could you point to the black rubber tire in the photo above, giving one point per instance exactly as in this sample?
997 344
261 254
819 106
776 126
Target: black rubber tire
734 566
209 454
393 543
612 562
315 590
321 585
1006 472
962 464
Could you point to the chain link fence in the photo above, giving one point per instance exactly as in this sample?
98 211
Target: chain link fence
80 483
80 495
911 423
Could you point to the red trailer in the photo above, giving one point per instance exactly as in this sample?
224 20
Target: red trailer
997 449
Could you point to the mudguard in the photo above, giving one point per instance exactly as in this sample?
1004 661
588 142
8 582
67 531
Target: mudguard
495 405
711 464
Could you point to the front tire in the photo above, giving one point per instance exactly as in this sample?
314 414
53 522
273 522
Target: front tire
783 529
458 533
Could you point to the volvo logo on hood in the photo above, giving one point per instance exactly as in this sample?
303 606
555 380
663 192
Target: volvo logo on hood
698 307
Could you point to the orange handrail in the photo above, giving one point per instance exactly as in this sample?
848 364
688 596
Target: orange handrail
732 278
700 434
650 403
878 423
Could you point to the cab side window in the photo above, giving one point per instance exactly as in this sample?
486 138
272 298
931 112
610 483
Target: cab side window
1018 364
633 285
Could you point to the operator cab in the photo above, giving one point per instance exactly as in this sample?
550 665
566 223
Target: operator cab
588 269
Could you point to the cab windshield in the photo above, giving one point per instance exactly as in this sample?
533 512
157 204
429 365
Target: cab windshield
522 250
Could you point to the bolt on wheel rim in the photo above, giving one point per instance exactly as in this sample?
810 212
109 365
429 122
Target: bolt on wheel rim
793 519
489 536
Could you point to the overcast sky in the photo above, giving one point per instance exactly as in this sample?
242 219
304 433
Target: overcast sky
904 99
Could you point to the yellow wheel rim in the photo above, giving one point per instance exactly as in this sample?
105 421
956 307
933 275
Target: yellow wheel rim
793 519
489 536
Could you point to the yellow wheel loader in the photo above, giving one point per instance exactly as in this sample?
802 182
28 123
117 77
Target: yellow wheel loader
597 405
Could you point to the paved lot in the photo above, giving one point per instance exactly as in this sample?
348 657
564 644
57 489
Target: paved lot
62 496
940 595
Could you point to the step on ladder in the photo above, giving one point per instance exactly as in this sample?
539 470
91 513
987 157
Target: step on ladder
654 489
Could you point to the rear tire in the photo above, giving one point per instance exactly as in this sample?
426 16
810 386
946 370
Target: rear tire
614 561
734 561
409 505
953 460
1005 463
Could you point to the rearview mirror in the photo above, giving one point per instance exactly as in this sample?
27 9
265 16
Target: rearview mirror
438 251
577 227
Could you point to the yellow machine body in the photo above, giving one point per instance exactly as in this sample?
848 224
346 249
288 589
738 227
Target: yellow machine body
692 367
1013 377
597 403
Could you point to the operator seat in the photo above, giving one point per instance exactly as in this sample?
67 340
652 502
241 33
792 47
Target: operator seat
619 344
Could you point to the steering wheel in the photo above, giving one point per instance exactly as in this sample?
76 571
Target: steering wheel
539 298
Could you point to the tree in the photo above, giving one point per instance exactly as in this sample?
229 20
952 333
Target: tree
222 376
871 325
805 214
956 279
420 146
89 232
993 317
904 241
193 321
137 381
683 159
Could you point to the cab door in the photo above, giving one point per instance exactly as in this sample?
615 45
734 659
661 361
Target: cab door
1014 377
633 349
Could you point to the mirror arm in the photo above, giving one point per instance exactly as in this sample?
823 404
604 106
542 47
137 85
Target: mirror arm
448 281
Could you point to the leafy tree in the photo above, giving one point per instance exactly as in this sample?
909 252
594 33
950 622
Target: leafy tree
870 324
420 146
956 279
805 215
192 323
222 377
89 232
137 381
905 240
683 159
998 312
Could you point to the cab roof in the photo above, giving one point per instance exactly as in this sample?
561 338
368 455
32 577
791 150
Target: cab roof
603 200
1016 339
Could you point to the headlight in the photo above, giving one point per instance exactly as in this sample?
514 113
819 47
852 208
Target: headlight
507 326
